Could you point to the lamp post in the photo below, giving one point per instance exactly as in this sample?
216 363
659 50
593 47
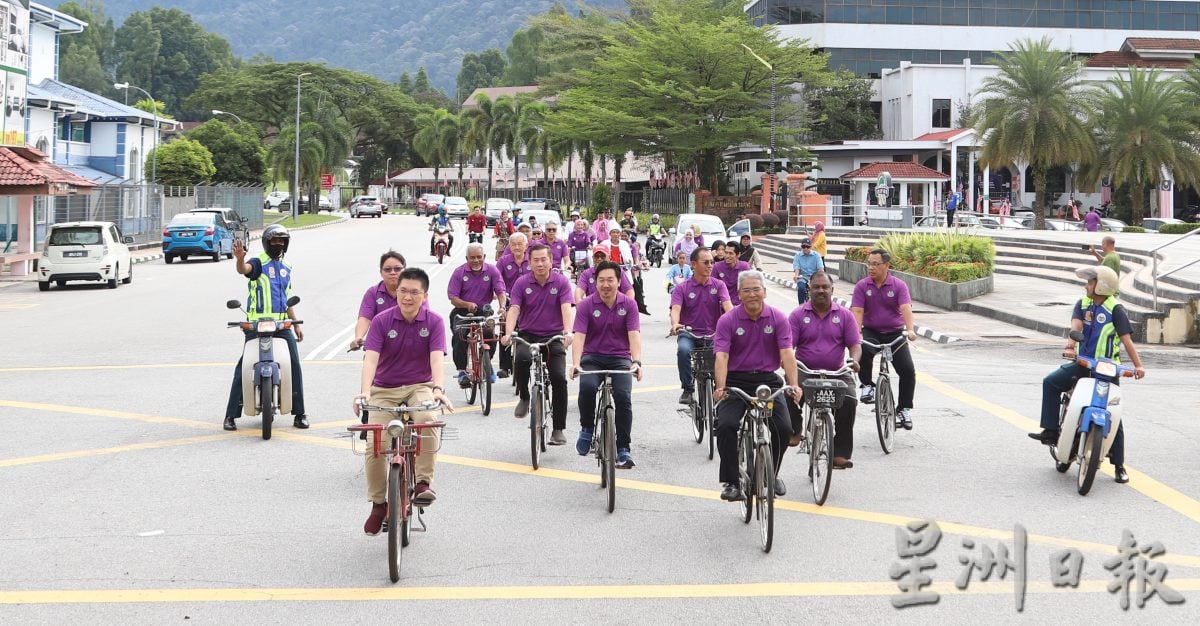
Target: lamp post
296 164
387 183
154 153
771 170
233 115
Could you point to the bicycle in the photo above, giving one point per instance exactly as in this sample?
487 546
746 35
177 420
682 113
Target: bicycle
474 330
406 438
885 402
756 466
702 410
604 432
823 394
539 395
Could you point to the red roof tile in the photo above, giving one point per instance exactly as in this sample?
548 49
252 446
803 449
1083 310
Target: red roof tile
1127 59
1163 43
28 167
942 135
899 170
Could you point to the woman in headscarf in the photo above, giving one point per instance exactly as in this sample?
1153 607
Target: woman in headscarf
818 240
687 244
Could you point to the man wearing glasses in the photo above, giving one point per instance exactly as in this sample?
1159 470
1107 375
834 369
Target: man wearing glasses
698 302
473 286
882 307
559 249
804 265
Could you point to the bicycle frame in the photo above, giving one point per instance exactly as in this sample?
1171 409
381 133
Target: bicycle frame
476 338
539 387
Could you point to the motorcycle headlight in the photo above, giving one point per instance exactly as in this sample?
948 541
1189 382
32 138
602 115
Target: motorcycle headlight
267 326
1106 368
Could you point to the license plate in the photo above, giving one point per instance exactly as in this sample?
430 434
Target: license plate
75 253
186 234
826 397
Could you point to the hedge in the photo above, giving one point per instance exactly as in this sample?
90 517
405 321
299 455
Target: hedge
1133 229
945 255
1177 229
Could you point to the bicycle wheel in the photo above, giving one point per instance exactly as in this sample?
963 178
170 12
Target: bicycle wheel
698 413
746 474
1089 458
710 417
395 508
266 398
546 411
885 414
764 494
820 457
485 399
472 362
410 485
535 424
609 465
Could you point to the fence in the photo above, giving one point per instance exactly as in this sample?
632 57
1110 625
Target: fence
246 199
839 214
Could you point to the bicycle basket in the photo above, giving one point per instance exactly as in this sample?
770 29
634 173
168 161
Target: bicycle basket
824 393
704 359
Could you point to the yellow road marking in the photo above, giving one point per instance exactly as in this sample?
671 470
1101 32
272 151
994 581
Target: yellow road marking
77 454
1138 481
546 592
636 485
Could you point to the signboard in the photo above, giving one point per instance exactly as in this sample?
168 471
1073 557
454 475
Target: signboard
326 181
14 58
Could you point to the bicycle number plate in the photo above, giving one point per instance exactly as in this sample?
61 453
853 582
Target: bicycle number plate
826 398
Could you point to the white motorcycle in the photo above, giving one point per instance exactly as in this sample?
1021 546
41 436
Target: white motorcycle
266 367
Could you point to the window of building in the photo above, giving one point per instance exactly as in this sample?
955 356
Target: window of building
941 113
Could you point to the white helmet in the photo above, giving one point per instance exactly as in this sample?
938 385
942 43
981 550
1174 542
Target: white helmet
1106 279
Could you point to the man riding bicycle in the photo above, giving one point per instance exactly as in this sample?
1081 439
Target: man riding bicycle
607 337
441 220
727 271
883 309
698 302
473 286
476 223
804 265
540 308
391 376
753 340
513 264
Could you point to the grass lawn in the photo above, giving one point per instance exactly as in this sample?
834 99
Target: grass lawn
304 219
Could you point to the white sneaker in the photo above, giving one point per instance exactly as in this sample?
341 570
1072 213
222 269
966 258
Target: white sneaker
867 396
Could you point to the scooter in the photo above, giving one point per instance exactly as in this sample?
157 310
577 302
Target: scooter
1089 418
655 249
266 380
441 246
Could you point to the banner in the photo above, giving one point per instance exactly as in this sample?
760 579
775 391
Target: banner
14 58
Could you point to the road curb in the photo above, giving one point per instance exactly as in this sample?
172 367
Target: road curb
922 331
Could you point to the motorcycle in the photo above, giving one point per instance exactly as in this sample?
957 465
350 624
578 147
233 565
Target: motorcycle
441 245
578 264
655 249
1089 417
266 380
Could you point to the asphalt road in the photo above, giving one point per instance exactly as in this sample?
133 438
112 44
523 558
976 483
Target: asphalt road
124 501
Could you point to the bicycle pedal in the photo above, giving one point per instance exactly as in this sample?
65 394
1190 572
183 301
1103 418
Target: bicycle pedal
684 413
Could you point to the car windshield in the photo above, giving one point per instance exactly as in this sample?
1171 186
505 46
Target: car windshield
456 200
435 198
708 223
740 227
530 206
191 219
76 235
368 199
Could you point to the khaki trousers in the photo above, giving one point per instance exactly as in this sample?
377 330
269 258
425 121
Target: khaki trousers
376 467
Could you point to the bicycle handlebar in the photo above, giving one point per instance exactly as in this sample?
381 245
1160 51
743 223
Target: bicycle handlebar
749 399
632 370
830 373
428 405
894 344
517 339
687 331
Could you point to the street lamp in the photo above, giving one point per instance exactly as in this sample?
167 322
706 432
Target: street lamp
234 115
770 66
154 154
387 183
296 170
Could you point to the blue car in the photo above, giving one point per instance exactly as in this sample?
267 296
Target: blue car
199 234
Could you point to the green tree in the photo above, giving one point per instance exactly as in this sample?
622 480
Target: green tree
281 156
88 59
1033 111
182 162
481 135
80 66
479 70
842 110
1143 129
237 153
406 83
153 106
421 84
431 139
525 57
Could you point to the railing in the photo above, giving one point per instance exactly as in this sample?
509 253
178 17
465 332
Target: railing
1154 262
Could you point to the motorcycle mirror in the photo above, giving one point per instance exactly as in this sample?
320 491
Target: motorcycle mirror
233 304
293 301
1076 335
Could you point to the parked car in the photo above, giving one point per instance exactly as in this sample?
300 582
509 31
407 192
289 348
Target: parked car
540 204
493 207
543 217
199 234
739 228
456 206
1064 225
366 205
711 228
276 198
1152 224
1112 224
1002 222
961 220
85 251
236 222
428 203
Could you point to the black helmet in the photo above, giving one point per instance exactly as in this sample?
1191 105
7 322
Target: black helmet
277 231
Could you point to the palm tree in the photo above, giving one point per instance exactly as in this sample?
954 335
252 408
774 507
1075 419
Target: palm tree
508 133
1143 131
1034 111
430 139
281 156
481 131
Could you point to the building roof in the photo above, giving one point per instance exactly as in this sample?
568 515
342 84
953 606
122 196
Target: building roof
496 92
28 167
97 176
900 171
96 105
43 98
1161 43
1125 58
61 22
943 135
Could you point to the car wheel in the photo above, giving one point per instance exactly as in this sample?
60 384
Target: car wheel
168 258
183 257
216 256
60 283
128 279
112 282
43 285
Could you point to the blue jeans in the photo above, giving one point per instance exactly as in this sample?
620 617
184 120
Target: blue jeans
802 290
622 391
1059 382
234 407
683 358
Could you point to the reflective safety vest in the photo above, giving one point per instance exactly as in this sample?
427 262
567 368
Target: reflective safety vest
268 294
1100 340
655 229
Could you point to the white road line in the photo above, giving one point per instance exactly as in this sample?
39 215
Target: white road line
312 356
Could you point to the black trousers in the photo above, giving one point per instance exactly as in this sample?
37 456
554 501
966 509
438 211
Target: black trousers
556 364
729 419
458 341
902 364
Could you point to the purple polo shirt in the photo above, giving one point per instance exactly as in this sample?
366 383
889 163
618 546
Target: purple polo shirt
881 305
821 342
510 270
375 300
558 251
476 287
404 347
606 330
541 305
587 282
700 305
753 345
580 240
729 276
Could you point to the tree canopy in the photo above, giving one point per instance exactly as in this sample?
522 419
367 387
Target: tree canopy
237 152
182 162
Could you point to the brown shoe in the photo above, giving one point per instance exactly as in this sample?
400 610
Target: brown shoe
795 440
841 462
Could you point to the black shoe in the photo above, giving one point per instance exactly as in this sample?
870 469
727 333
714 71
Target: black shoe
732 493
1122 476
502 374
300 422
780 488
1047 437
685 397
229 425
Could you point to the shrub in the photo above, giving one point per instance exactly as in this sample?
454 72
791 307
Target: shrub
756 221
1133 229
857 253
770 220
601 200
1177 229
643 220
945 255
954 272
783 217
